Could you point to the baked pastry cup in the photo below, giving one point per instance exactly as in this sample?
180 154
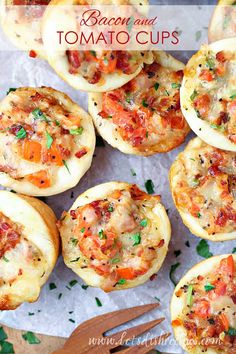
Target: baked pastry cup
115 236
92 71
46 141
29 244
222 23
143 117
203 307
202 181
208 96
22 24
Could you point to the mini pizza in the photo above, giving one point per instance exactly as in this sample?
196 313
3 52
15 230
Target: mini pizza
223 22
203 307
115 236
143 117
46 141
203 184
21 21
29 244
88 70
208 94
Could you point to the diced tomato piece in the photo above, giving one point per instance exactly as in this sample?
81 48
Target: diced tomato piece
126 273
227 266
202 104
221 57
108 67
214 170
221 218
224 320
32 54
202 308
53 155
177 322
39 179
31 150
206 75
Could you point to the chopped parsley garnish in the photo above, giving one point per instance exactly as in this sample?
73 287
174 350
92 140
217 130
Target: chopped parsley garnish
133 172
74 241
66 166
144 103
75 260
6 348
149 185
203 249
101 235
30 313
209 287
73 282
3 334
38 114
57 123
93 53
232 97
210 62
136 238
59 296
193 95
234 250
143 222
21 134
218 127
115 260
156 86
77 131
99 304
121 281
167 93
110 209
177 253
199 215
84 287
231 331
195 182
172 270
174 85
71 320
190 295
49 140
11 89
82 230
5 259
31 338
52 286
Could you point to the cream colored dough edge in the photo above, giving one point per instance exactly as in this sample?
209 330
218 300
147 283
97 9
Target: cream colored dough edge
200 127
177 304
77 167
100 192
107 129
191 222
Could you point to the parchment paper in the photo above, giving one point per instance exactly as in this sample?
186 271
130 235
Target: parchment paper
53 316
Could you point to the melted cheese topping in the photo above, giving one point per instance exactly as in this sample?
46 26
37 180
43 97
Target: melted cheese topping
203 181
209 316
118 237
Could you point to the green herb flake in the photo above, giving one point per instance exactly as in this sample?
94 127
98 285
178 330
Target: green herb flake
149 185
75 260
101 235
5 259
110 209
71 320
93 53
209 287
77 131
217 127
11 89
73 282
136 238
59 296
84 287
234 250
210 62
172 271
66 166
38 114
232 97
174 85
115 260
74 241
57 123
190 295
49 140
203 249
133 173
157 298
195 182
198 35
52 286
156 86
193 95
231 331
82 230
6 348
30 313
21 134
98 302
199 215
144 222
3 335
177 253
30 338
144 103
121 281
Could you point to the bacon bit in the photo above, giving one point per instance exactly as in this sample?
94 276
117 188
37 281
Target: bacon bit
123 61
73 214
9 238
233 297
220 56
96 77
103 114
81 153
153 277
177 322
37 97
154 67
214 171
161 243
73 58
206 75
190 326
32 54
20 272
202 104
221 218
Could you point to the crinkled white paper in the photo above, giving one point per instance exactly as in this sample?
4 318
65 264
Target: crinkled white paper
53 316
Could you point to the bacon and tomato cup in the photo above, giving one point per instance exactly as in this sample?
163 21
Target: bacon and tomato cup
208 94
143 117
87 70
203 307
21 21
223 21
115 236
203 185
47 141
29 246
